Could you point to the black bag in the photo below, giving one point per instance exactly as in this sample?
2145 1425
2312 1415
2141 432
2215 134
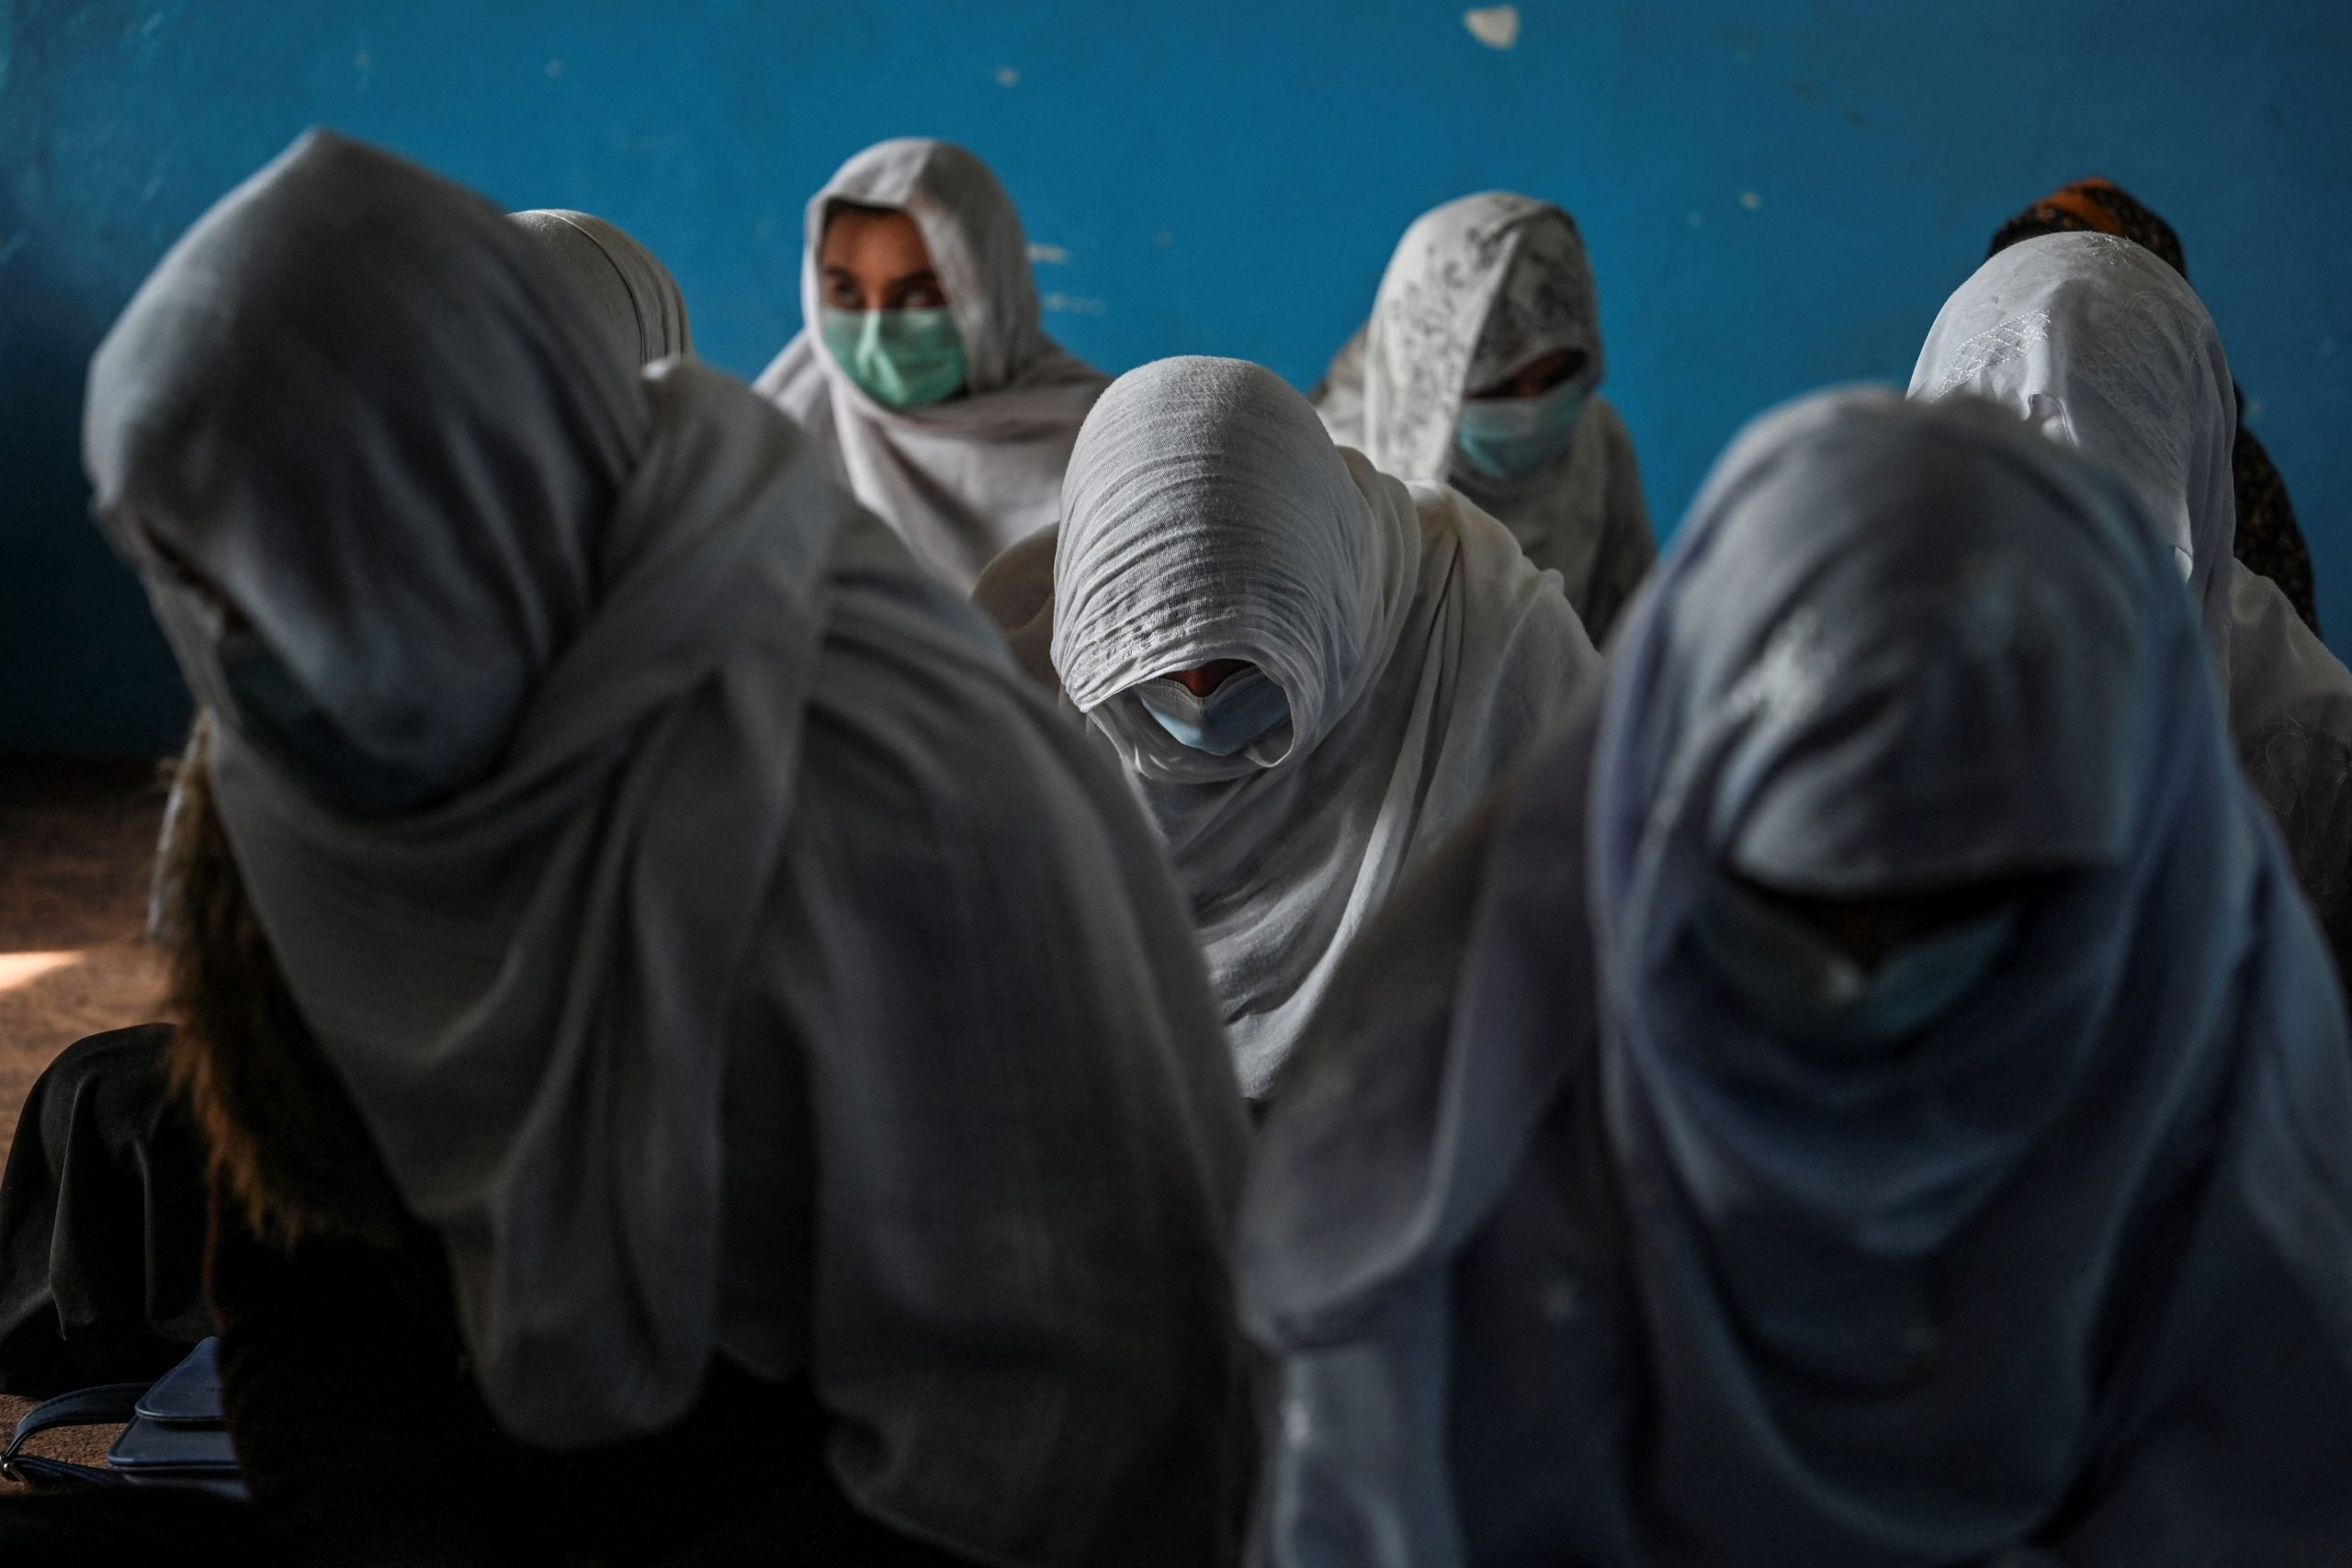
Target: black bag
177 1435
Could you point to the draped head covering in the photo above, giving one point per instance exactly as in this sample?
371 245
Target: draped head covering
2098 344
625 286
2103 346
960 480
2016 1280
712 787
1207 516
2269 541
356 401
1478 289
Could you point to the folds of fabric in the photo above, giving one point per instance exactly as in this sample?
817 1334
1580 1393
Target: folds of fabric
1478 289
634 301
513 985
1208 516
1919 1307
102 1220
2098 344
2269 540
672 645
2103 346
2291 710
961 480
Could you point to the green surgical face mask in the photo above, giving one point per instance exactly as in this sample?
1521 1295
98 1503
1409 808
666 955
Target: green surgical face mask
903 359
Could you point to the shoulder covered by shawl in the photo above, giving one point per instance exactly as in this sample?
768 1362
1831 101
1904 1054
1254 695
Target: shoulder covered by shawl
1362 1175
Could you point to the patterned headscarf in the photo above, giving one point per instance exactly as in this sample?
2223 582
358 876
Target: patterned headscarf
2097 206
1477 288
2269 541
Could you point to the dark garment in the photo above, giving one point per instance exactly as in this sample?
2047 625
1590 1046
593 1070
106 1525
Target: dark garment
344 1378
151 1525
102 1223
365 1441
2269 541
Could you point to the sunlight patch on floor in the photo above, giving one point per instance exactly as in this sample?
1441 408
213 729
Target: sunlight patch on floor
23 968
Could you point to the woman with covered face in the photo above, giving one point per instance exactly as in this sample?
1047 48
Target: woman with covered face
2269 541
593 944
1479 367
2100 344
103 1201
1310 670
1870 1093
922 368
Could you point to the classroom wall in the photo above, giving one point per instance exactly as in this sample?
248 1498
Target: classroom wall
1777 195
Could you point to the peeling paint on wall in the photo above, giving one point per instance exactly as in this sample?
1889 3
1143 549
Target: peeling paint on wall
1497 27
1071 305
1053 256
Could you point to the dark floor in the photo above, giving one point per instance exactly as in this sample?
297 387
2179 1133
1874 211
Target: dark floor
77 844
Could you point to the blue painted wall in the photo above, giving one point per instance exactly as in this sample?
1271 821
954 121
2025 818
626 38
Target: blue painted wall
1777 195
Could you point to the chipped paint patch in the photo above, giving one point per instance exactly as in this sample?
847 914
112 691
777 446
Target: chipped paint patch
1052 255
1750 201
555 69
1006 76
1497 27
1072 305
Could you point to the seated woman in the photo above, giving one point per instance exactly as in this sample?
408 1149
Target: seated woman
2101 345
102 1206
2269 541
1870 1094
1478 369
922 370
1310 670
617 963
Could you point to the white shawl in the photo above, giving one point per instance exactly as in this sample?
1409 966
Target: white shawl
959 481
700 1009
2102 345
634 301
1477 288
1208 516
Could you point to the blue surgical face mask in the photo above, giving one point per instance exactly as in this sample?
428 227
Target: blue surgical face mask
278 712
1245 708
903 359
1804 986
1511 438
